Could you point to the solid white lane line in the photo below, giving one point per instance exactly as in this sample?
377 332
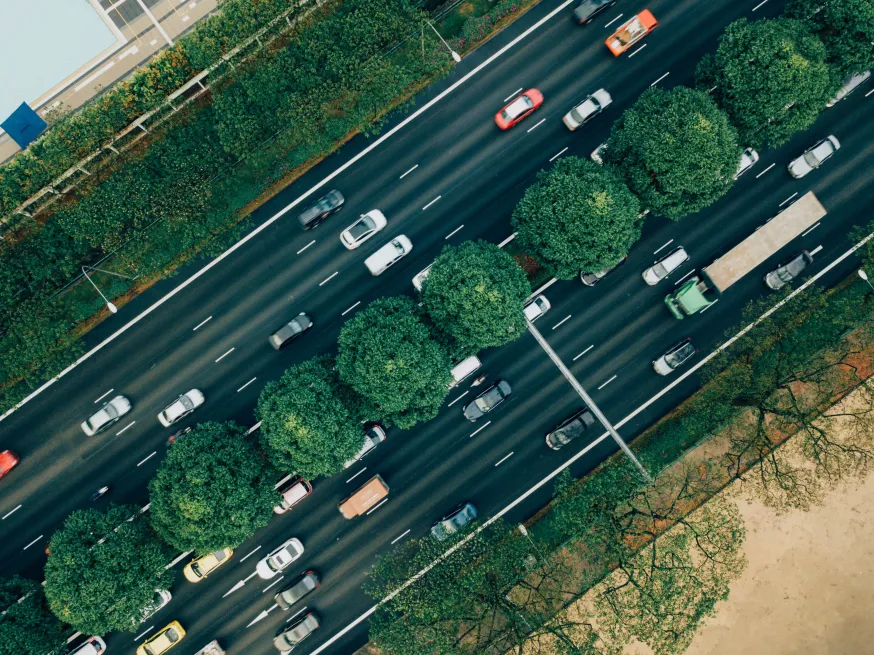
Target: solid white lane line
250 554
144 633
558 155
459 398
684 277
505 458
351 308
561 321
104 396
760 4
329 278
294 203
178 559
356 475
663 247
10 513
638 50
246 385
397 539
143 461
286 478
306 246
816 250
543 288
614 20
33 542
765 171
660 79
810 229
125 428
376 507
225 355
788 199
606 383
453 232
431 203
478 430
533 127
584 352
507 240
408 172
272 584
710 305
869 93
202 323
298 613
514 94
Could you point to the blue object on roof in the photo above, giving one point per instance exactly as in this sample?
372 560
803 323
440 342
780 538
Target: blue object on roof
24 125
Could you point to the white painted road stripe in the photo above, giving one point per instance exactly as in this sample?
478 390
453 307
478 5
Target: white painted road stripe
33 542
10 513
533 127
143 461
272 584
376 507
558 155
295 614
561 321
765 171
125 428
351 308
606 383
408 172
453 231
104 396
684 277
788 199
478 430
250 554
459 398
507 240
663 247
306 246
329 278
614 20
584 352
710 305
178 559
760 4
246 385
202 323
144 633
660 79
514 94
397 539
809 230
356 475
869 93
638 50
431 203
225 355
816 250
505 458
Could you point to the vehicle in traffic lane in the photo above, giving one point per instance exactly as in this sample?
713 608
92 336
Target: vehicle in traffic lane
368 496
200 567
519 108
279 558
788 271
571 428
488 400
850 84
305 584
814 157
8 461
374 435
597 155
674 357
631 31
665 266
587 109
290 331
586 10
163 640
294 490
328 204
106 416
162 597
363 229
94 646
419 278
291 635
454 522
748 159
591 279
389 255
536 307
181 407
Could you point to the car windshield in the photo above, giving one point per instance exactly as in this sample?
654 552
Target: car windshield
680 355
660 270
488 400
818 155
361 228
197 570
785 274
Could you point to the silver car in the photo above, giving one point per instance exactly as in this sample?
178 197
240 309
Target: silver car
665 266
814 157
106 416
587 109
290 331
289 637
181 407
676 356
788 271
279 558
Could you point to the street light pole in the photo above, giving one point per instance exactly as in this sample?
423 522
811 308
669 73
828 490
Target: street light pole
524 531
864 276
109 305
455 55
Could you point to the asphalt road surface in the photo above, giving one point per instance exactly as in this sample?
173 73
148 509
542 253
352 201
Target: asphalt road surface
608 334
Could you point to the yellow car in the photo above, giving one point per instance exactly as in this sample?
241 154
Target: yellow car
163 641
200 567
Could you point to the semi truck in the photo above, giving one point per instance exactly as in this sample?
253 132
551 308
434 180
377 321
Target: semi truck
699 292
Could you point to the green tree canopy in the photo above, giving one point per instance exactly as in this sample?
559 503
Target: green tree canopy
771 77
675 149
310 422
103 569
213 490
578 216
27 625
389 355
846 28
475 292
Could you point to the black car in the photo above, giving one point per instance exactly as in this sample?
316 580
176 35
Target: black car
305 584
324 207
571 428
591 279
488 400
586 10
788 271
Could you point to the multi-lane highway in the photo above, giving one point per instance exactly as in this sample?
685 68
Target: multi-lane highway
445 177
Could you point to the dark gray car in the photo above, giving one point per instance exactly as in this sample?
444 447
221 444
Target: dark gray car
784 274
289 637
488 400
306 584
591 279
570 429
586 10
455 522
290 331
324 207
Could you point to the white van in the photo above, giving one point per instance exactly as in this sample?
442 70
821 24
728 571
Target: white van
388 255
464 369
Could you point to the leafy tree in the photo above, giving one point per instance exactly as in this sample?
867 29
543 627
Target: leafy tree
771 77
389 355
27 625
676 150
846 28
310 421
103 569
475 292
578 216
212 491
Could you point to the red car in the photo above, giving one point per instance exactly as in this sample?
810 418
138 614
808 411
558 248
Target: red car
8 461
520 107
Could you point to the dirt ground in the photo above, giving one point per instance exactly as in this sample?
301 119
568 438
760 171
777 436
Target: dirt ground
809 585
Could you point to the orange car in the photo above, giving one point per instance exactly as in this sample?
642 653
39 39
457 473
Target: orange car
520 107
631 32
8 461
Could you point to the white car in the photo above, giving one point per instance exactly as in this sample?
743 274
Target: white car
536 307
597 155
363 229
162 597
181 407
420 277
279 559
94 646
676 356
850 84
389 255
373 436
587 109
107 415
665 266
814 157
748 159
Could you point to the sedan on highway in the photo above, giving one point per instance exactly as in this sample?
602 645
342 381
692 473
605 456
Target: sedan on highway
814 157
665 266
94 646
519 108
488 400
571 428
279 559
181 407
303 586
788 271
586 10
163 640
591 279
291 635
200 567
676 356
748 159
8 461
162 597
290 331
363 229
587 109
631 32
328 204
454 522
106 416
374 434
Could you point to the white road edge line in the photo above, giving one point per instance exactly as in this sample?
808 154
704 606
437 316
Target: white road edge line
225 355
459 398
408 172
356 475
431 203
765 171
507 240
663 247
614 20
178 559
10 513
329 278
584 352
513 95
104 395
453 231
306 246
504 459
558 155
480 429
534 127
351 308
247 384
201 324
592 445
660 79
397 539
294 203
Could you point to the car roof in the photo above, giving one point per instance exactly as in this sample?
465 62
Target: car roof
519 105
